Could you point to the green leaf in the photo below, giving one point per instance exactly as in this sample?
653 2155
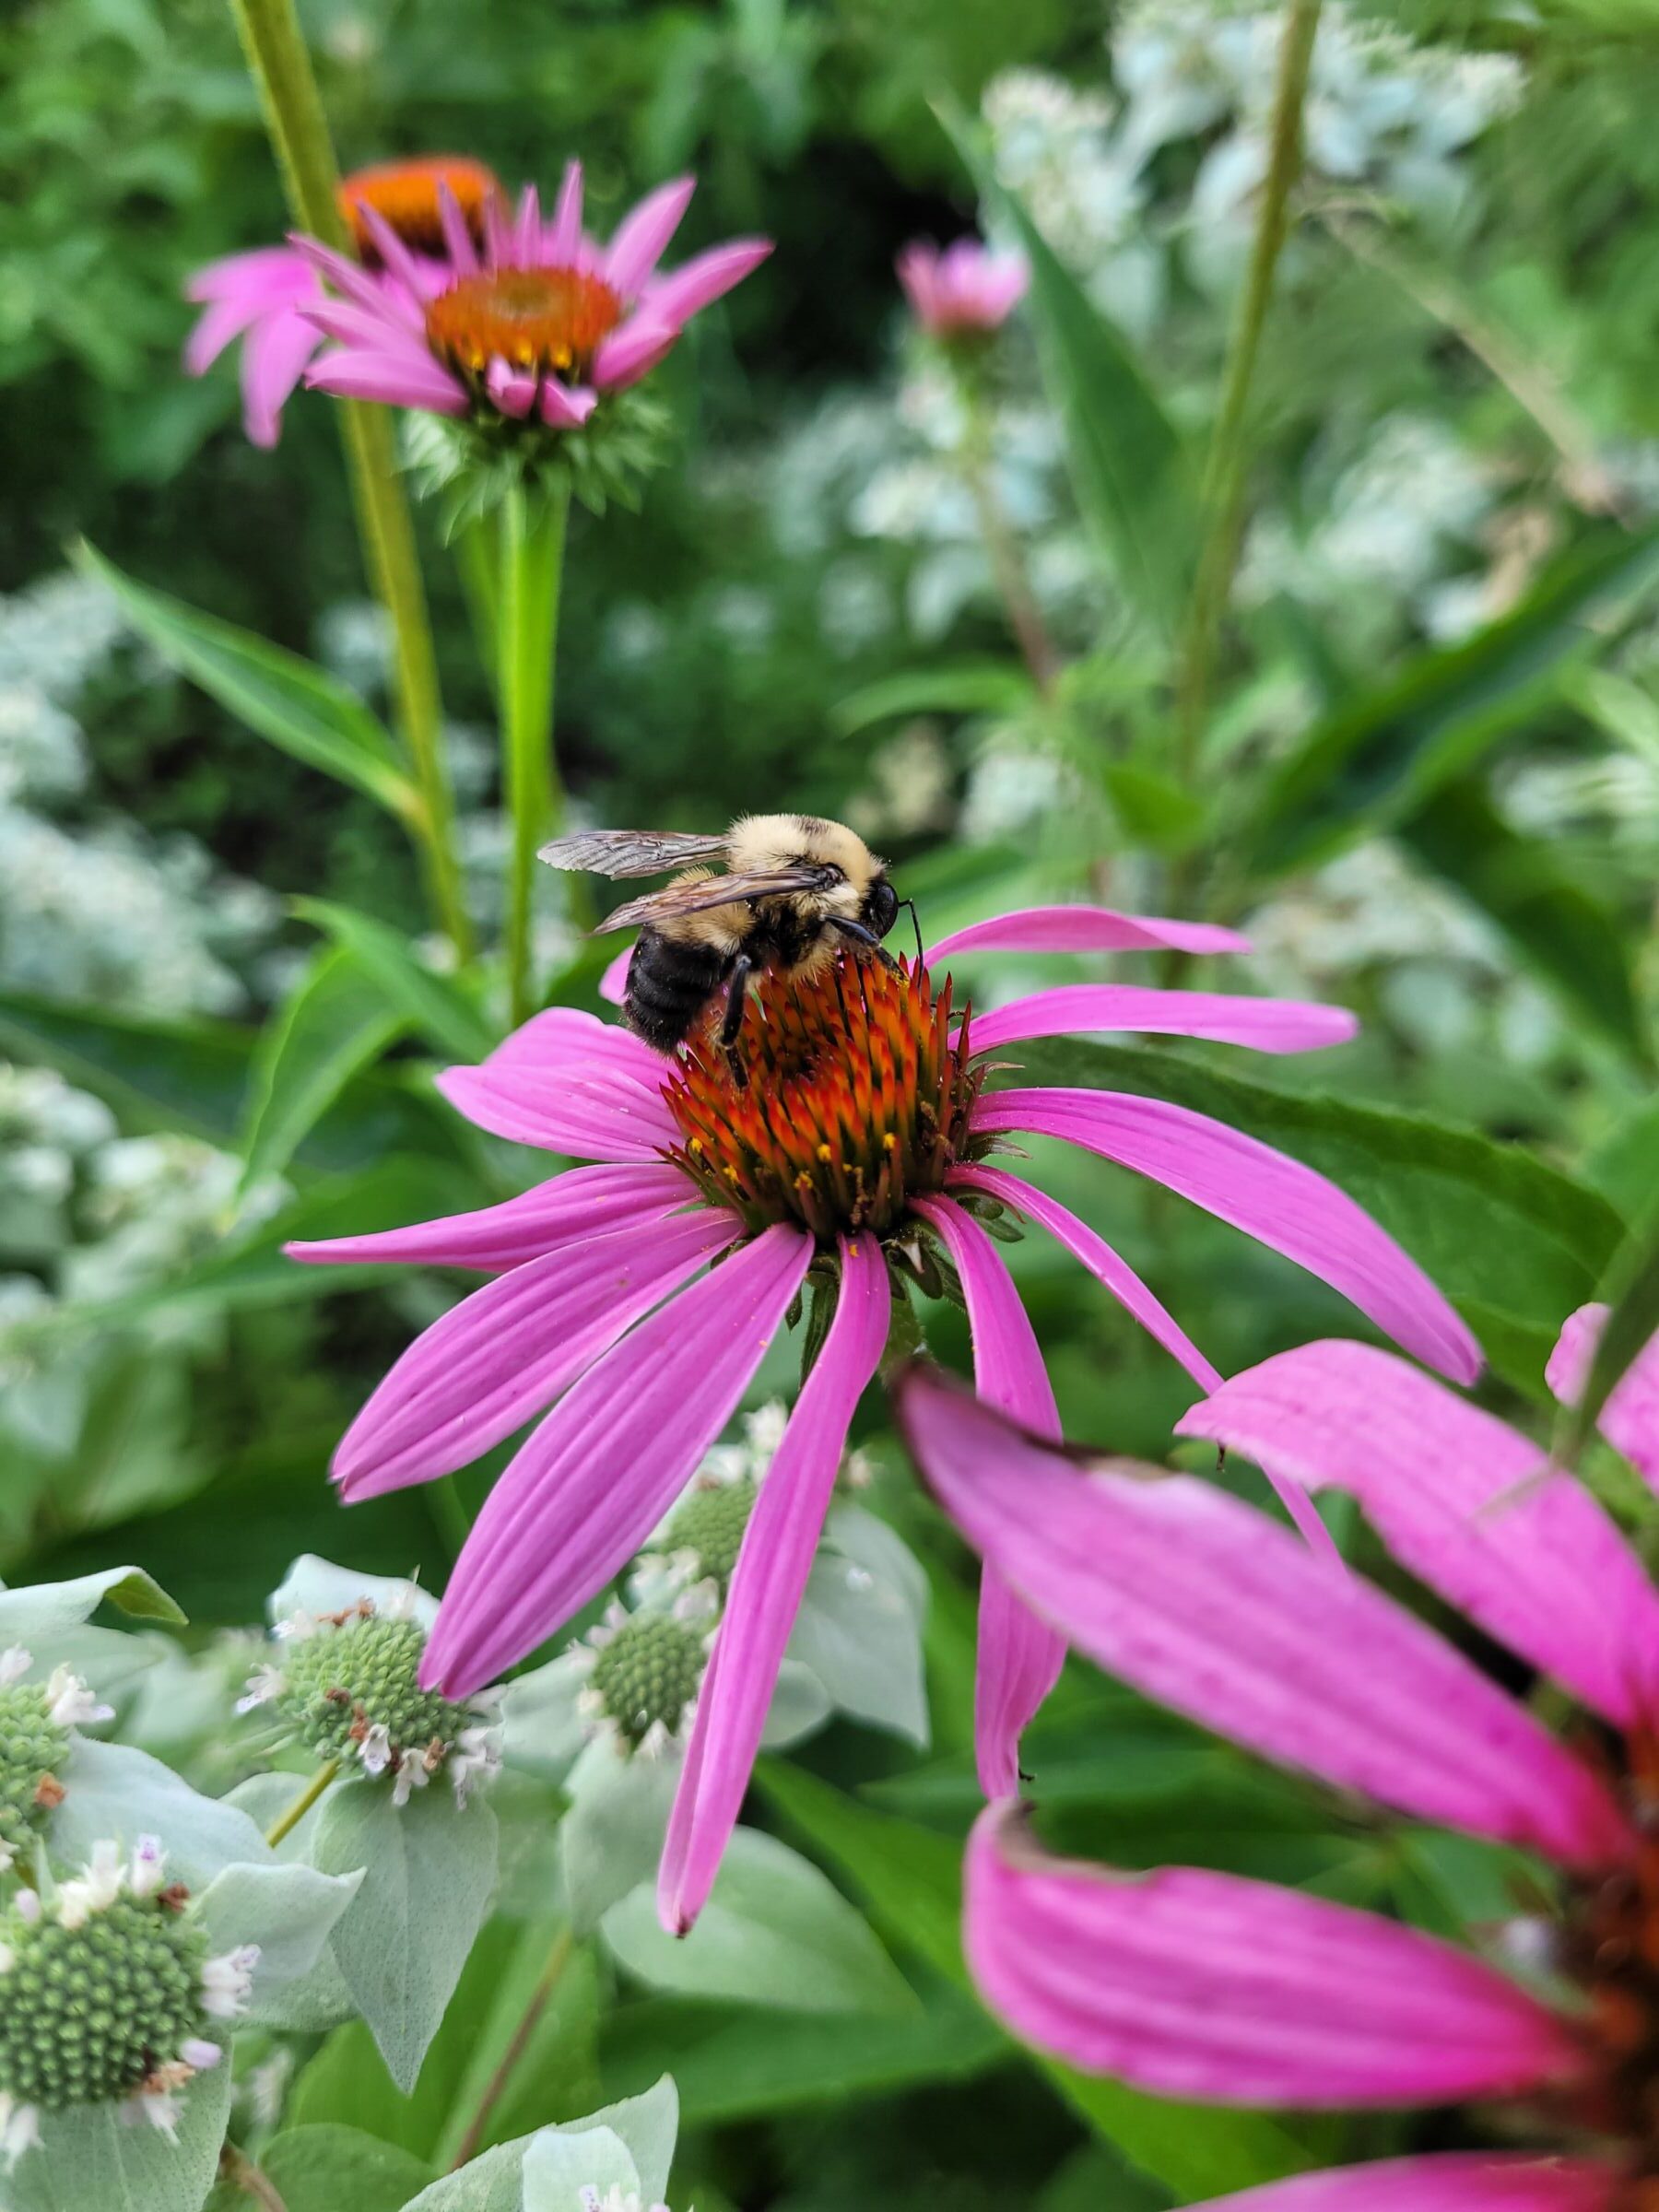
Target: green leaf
558 2168
956 688
911 1879
334 1023
1153 810
1376 759
1513 1242
90 2159
115 1790
437 1007
37 1614
1132 474
1575 943
1632 1293
774 1931
323 2169
643 2126
288 1910
297 705
405 1937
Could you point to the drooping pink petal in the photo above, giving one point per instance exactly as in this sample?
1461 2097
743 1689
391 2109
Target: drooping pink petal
275 355
1271 1197
698 283
612 983
1467 1503
1218 1612
1085 929
643 236
507 1351
511 390
631 352
1268 1025
268 275
1097 1255
566 406
1237 1991
1630 1420
1458 2180
582 1203
1019 1656
394 379
767 1587
585 1491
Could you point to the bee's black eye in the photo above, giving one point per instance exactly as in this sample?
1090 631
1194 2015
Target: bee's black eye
881 906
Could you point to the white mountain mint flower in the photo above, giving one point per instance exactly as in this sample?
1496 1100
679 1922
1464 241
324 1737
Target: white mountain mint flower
107 1990
70 1702
644 1670
266 1685
36 1724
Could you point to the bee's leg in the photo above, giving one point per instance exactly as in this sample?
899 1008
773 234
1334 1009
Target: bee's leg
916 925
867 938
731 1029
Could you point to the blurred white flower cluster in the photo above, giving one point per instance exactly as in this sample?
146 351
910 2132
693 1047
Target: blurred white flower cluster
98 910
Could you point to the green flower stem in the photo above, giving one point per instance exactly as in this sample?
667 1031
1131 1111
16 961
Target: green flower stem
541 1996
290 1817
475 552
531 564
275 46
1228 454
1008 567
240 2172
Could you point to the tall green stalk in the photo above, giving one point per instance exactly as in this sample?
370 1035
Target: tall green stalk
527 580
298 133
1228 458
1001 547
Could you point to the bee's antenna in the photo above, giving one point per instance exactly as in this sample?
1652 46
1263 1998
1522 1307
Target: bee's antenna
915 925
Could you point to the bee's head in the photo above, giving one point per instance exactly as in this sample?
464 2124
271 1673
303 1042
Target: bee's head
880 908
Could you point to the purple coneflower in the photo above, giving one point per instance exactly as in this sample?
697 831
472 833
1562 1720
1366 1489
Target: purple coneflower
1193 1983
965 291
860 1143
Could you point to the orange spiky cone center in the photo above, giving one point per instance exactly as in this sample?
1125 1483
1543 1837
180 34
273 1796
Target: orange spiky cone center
405 195
856 1099
533 319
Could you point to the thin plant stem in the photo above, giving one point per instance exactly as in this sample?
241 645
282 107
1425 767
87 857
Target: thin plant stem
291 1815
528 575
1222 496
240 2171
1008 567
277 55
477 564
541 1996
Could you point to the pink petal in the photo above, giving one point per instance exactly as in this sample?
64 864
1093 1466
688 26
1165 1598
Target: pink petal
1466 1503
564 237
631 352
1468 2181
526 238
268 276
605 1464
558 1039
1630 1420
1097 1255
223 321
362 327
513 390
1212 1609
1020 1657
1277 1200
642 237
582 1203
918 268
612 983
568 1082
566 406
377 293
1085 929
395 379
767 1586
507 1350
1235 1991
395 255
707 276
457 238
273 358
1270 1025
498 233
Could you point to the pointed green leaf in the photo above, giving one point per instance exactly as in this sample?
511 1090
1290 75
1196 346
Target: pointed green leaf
957 688
92 2160
323 2168
443 1013
39 1613
335 1023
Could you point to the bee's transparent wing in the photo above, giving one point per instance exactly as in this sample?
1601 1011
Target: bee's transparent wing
678 898
629 851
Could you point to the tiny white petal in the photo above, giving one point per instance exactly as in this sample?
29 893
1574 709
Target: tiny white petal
147 1874
202 2057
15 1663
27 1906
162 2112
375 1750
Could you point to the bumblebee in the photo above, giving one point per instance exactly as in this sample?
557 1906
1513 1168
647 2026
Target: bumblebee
795 888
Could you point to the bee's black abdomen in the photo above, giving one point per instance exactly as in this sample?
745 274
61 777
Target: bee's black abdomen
669 984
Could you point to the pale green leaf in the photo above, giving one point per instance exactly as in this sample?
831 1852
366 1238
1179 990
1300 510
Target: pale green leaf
90 2159
335 1023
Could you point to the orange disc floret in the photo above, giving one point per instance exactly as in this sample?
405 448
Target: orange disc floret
856 1099
404 194
540 319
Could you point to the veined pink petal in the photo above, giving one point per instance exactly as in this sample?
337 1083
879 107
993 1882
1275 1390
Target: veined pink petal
1630 1420
507 1351
1097 1255
363 328
376 293
612 983
1467 1503
1467 2180
631 352
564 236
1085 929
642 237
566 406
568 1082
698 283
513 390
558 1040
582 1203
1236 1991
585 1491
395 379
275 355
1019 1656
1269 1025
457 238
1271 1197
1213 1610
271 275
767 1586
